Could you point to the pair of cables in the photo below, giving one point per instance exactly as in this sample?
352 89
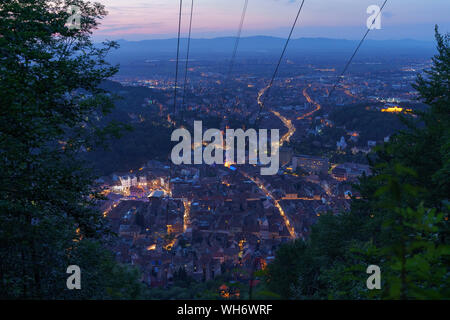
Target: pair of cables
178 56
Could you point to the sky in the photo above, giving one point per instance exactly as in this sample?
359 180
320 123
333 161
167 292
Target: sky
344 19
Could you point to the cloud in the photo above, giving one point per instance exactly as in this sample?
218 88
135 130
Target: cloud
129 27
287 1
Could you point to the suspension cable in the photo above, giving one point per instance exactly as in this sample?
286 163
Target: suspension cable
187 60
338 80
280 60
178 56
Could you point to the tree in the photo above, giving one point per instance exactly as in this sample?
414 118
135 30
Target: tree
401 221
50 104
283 272
412 193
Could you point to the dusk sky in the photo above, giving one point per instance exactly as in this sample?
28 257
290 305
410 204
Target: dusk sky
346 19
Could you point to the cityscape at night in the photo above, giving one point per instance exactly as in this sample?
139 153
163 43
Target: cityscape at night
224 150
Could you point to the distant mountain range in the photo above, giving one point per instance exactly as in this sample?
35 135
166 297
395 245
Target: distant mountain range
269 46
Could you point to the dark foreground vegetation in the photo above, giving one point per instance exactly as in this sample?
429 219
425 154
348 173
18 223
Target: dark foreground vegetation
51 99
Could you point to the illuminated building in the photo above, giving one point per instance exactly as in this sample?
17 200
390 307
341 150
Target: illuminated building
339 174
310 164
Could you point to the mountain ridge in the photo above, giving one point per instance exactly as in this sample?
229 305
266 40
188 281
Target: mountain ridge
264 46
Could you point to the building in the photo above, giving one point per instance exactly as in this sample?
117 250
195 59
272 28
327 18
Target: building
339 173
157 194
310 164
285 155
128 181
341 144
355 170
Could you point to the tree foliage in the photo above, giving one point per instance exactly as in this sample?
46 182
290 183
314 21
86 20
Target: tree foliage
50 102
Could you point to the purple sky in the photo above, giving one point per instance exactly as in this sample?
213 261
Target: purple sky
155 19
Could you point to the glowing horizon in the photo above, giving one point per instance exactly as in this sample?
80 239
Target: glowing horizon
137 20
